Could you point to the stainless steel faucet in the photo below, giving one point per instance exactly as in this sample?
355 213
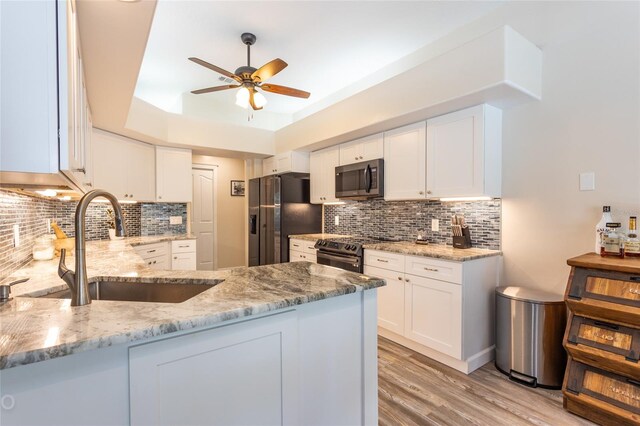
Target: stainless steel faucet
77 280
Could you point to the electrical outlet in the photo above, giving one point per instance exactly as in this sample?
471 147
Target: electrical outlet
337 219
175 220
16 235
435 225
48 226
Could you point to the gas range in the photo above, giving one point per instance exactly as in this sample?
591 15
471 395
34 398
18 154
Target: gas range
343 252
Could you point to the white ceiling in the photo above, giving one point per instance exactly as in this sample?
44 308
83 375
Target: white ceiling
329 46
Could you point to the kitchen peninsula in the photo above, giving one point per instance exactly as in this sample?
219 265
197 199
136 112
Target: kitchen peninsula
263 345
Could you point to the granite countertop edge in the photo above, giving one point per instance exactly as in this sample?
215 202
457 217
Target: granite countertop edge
436 251
27 322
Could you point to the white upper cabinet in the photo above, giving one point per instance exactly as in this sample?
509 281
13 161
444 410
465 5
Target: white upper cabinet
173 175
43 102
124 167
291 161
323 181
464 153
364 149
404 162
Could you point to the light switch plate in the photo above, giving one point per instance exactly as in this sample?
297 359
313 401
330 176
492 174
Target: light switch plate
587 181
16 235
435 225
175 220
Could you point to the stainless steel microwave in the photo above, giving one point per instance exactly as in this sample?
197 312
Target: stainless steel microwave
360 181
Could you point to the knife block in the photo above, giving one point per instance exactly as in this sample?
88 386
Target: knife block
463 242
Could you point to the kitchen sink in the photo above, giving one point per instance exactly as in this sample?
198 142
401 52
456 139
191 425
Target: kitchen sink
140 291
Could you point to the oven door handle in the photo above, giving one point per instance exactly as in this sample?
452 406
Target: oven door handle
350 259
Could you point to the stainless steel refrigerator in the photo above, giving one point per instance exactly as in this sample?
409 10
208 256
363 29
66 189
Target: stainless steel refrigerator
278 207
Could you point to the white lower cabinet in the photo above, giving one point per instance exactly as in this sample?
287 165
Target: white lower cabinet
183 255
177 255
302 251
433 314
440 308
178 381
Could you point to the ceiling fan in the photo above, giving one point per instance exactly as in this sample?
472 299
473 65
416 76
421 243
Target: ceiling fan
250 79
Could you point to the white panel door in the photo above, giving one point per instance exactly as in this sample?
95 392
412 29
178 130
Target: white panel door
242 374
141 166
202 217
433 314
455 154
404 163
390 299
173 175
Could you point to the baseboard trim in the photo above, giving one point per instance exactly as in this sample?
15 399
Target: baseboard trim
471 364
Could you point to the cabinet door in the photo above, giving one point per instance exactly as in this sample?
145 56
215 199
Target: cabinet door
283 163
268 166
198 378
330 160
390 299
350 152
88 152
404 163
296 256
372 147
183 261
173 175
316 177
109 167
433 314
455 154
140 172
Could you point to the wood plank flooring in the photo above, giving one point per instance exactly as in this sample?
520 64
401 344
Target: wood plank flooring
416 390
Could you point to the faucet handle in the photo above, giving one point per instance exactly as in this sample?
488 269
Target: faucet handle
65 273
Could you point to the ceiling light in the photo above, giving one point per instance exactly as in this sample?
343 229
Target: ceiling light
466 199
242 97
47 193
259 99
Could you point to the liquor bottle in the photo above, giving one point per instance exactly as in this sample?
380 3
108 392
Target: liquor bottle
632 243
601 226
612 241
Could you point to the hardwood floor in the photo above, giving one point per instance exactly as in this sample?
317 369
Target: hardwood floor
416 390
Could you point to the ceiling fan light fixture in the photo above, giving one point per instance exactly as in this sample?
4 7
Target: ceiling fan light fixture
242 97
259 99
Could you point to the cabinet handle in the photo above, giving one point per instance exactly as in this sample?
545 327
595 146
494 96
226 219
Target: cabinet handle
151 251
400 278
154 262
130 195
421 193
159 197
361 157
382 260
183 246
406 279
175 257
148 263
428 192
634 291
81 170
126 195
430 269
89 184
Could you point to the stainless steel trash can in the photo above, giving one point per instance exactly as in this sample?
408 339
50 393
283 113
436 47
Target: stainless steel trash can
529 329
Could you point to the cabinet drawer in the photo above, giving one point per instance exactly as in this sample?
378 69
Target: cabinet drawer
308 247
615 395
183 246
297 245
610 346
605 294
384 260
152 250
434 268
298 256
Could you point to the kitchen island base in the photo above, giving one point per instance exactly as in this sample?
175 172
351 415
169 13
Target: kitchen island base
314 363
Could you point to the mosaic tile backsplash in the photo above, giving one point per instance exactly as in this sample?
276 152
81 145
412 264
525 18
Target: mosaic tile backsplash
31 214
404 220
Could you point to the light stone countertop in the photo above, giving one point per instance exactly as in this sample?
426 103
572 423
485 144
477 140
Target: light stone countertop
38 329
316 237
437 251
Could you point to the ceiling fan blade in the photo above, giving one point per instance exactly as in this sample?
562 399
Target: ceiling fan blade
214 89
268 70
252 102
283 90
216 69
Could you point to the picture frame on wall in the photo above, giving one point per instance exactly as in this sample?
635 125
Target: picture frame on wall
237 188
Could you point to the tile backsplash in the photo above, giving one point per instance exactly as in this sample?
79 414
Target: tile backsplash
31 214
404 220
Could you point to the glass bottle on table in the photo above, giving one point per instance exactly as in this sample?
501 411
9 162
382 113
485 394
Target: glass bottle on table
602 226
632 243
612 244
